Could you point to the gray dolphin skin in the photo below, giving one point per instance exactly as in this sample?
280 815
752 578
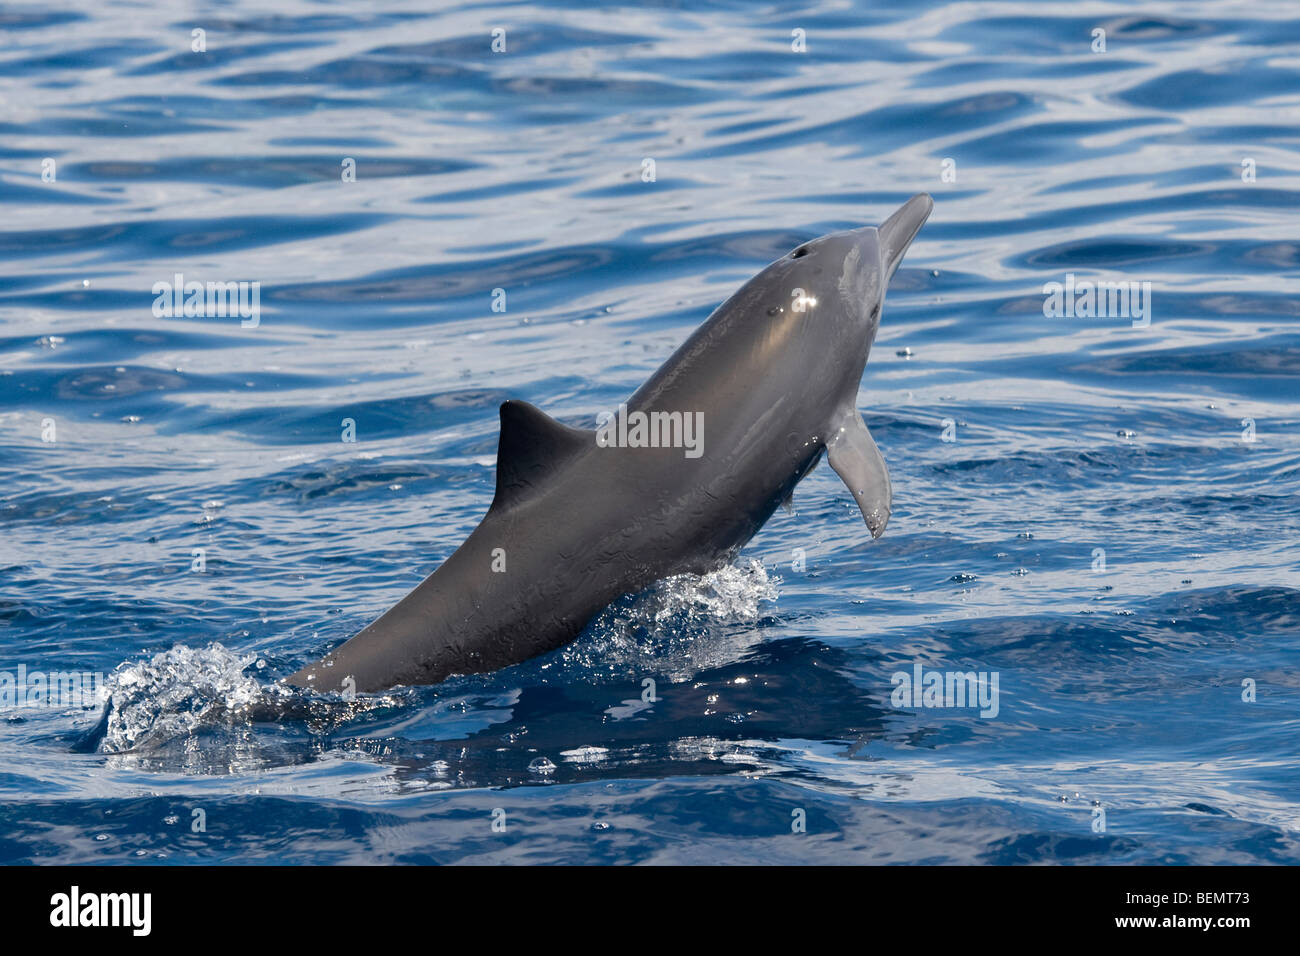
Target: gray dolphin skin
739 413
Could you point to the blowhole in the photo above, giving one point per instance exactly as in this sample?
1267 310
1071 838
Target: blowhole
799 253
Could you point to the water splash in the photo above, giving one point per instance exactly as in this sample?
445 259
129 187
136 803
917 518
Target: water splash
185 691
173 694
680 626
730 594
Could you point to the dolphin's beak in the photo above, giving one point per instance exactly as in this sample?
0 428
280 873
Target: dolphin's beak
897 232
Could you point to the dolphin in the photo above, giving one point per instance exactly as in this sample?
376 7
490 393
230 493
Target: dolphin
677 481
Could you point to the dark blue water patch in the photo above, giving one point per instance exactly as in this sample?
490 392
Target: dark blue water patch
349 142
887 126
1242 81
1263 612
1158 29
583 91
58 128
1043 142
141 390
375 419
1236 137
364 71
749 126
307 485
1220 173
47 194
298 25
720 820
1279 359
632 185
1082 64
88 56
534 280
1107 253
498 192
86 299
164 238
19 152
524 41
38 19
259 171
88 384
1242 373
1264 31
869 200
798 90
62 508
1227 199
1045 38
736 67
125 344
495 247
215 56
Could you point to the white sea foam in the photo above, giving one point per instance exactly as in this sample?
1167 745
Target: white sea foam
185 690
168 696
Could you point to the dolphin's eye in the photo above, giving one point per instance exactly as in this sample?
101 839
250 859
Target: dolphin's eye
799 253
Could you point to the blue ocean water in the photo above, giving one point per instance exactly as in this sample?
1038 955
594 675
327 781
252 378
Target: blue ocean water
1113 530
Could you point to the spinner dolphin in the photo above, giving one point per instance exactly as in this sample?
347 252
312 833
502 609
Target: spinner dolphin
677 481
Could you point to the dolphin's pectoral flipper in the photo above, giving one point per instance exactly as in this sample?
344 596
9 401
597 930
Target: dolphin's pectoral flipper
853 454
531 446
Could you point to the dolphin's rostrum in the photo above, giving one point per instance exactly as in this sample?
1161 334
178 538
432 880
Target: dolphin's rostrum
767 384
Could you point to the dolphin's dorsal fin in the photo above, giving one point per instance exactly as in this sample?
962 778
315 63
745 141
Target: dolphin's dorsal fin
853 454
531 446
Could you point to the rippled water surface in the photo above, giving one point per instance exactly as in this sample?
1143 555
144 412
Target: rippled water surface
1100 535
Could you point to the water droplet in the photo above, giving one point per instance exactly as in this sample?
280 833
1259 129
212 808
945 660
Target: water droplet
542 765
